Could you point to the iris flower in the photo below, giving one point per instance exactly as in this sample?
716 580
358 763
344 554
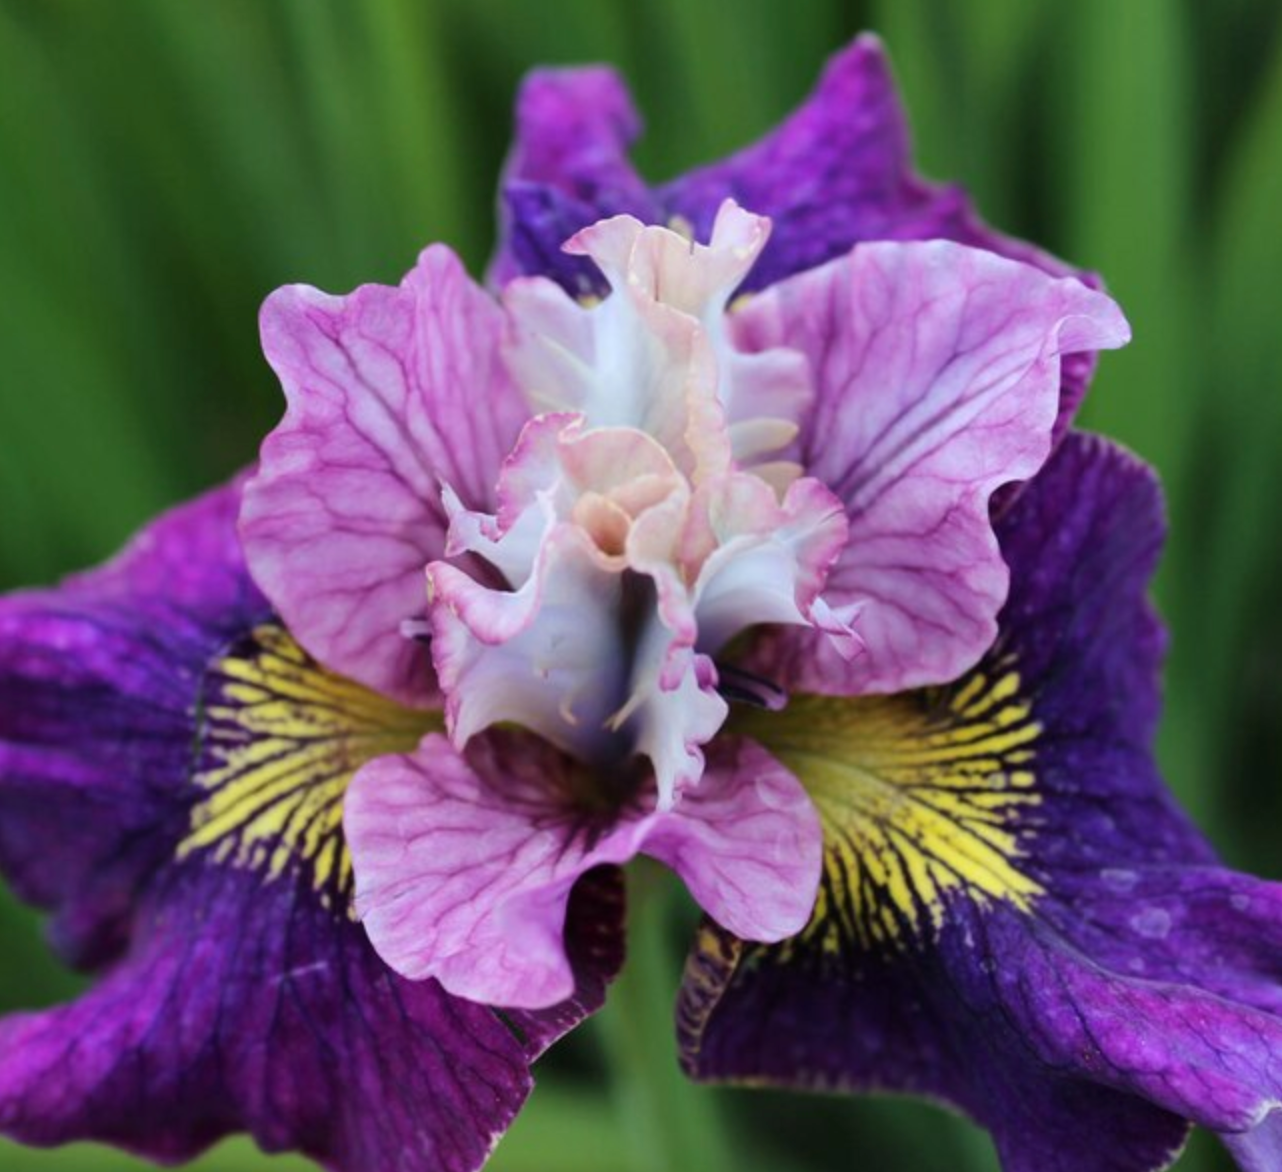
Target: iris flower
738 525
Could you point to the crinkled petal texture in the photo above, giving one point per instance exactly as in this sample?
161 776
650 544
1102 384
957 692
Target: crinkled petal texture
642 521
464 865
836 172
211 889
937 370
1014 916
392 393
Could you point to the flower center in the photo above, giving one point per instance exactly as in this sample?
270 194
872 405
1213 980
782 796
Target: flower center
645 516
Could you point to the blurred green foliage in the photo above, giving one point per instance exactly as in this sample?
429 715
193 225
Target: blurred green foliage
166 164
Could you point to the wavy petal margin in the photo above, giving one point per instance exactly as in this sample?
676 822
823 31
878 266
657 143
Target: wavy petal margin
464 865
345 511
937 371
1014 917
173 769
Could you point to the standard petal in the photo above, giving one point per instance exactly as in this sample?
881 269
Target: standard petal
392 394
1015 918
568 168
835 173
173 768
464 865
839 171
938 371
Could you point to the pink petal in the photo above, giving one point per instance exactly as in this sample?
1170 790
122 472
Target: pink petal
464 867
937 370
392 392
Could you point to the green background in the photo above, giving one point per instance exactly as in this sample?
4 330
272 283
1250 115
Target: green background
165 164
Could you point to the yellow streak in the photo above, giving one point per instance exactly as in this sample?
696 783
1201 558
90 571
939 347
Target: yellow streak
280 740
921 796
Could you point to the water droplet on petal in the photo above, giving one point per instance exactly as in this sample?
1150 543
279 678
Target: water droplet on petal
1153 923
1117 879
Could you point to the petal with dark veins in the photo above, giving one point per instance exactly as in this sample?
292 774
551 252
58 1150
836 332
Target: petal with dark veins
464 864
937 371
393 393
173 768
1014 916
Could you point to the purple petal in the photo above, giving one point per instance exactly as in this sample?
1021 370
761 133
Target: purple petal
534 222
568 168
932 1023
172 774
393 393
97 682
1260 1149
1016 919
937 371
464 865
836 172
275 1016
573 130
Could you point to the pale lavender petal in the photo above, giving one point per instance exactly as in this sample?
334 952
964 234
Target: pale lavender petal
938 373
734 557
621 494
674 708
392 393
464 865
549 656
1260 1149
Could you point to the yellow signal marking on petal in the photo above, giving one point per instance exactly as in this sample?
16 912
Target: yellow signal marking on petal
279 740
921 795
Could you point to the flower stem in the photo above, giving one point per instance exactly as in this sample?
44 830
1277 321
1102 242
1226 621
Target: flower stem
669 1122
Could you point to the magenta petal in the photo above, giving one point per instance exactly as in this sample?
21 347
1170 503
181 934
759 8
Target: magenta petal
937 374
392 393
464 866
746 840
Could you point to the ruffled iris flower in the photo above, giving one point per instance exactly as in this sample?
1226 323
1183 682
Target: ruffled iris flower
737 525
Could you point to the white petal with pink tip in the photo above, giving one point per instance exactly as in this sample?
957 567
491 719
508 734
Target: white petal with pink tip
636 506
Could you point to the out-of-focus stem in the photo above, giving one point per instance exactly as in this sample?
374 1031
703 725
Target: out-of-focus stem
668 1123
